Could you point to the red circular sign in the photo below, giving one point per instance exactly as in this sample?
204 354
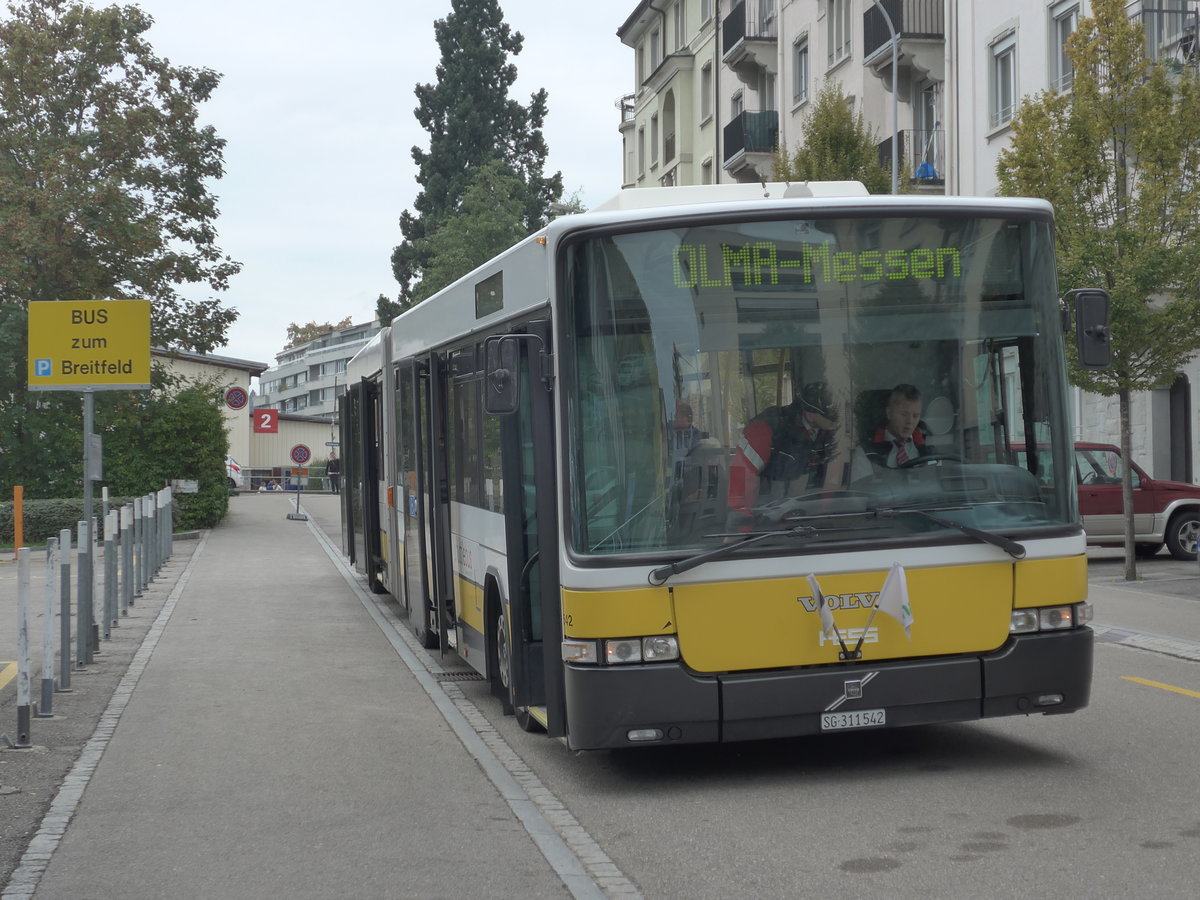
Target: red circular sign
301 454
236 398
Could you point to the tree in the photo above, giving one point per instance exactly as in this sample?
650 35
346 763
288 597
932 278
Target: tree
838 145
489 220
471 120
104 174
302 334
1118 158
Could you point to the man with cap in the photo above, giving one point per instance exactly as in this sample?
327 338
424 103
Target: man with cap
784 451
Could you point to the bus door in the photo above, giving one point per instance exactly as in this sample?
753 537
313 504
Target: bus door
535 610
412 495
361 480
435 486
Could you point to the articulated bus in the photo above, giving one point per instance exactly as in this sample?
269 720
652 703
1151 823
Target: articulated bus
542 467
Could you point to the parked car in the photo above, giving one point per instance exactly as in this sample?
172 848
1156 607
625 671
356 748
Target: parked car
1164 512
233 472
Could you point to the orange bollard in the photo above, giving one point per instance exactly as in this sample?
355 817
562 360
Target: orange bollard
18 517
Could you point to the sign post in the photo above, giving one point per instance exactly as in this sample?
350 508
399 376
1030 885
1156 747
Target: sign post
89 346
300 456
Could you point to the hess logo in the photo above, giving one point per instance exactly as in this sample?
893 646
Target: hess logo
89 316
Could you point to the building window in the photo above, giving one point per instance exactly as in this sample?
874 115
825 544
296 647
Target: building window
655 49
737 105
1063 19
706 10
706 92
654 140
1003 87
678 18
641 63
839 31
641 152
800 69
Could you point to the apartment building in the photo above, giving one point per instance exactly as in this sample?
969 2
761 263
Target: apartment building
719 84
308 379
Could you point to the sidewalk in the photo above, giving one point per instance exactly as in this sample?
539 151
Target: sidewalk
276 744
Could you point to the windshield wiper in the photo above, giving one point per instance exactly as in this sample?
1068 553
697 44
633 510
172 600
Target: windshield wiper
1011 547
659 576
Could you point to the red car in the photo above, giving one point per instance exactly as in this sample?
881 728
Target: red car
1164 512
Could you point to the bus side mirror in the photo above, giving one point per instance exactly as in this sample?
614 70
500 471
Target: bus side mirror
1093 340
502 389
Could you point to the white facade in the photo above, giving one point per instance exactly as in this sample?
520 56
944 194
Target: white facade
962 69
307 379
225 372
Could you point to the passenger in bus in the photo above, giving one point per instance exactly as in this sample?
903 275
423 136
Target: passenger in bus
784 451
902 437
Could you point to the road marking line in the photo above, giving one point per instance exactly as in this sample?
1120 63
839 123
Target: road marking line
1165 687
8 671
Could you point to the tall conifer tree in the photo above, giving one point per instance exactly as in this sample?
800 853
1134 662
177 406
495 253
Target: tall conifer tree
471 121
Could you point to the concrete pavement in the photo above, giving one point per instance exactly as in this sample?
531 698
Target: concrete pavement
277 744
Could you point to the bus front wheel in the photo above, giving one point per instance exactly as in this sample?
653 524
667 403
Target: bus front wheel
502 677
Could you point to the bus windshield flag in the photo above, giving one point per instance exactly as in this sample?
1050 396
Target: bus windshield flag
827 627
893 598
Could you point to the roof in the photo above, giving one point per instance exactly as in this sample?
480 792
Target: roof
209 359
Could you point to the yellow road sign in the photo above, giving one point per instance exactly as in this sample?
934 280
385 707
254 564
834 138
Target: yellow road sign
96 344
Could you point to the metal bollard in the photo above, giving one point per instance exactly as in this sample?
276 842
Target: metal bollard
97 596
155 536
110 573
64 606
139 558
23 691
83 603
171 523
126 558
46 706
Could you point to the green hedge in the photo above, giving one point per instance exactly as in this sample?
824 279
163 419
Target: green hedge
46 518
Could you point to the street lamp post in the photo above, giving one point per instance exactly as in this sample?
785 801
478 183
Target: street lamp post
895 115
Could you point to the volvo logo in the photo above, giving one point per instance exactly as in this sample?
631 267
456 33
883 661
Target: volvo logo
852 689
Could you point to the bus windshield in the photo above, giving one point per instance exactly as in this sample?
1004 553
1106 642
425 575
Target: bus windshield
730 378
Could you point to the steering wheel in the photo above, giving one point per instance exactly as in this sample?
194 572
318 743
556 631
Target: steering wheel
929 460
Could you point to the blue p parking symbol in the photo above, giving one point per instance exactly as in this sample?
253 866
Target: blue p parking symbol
43 368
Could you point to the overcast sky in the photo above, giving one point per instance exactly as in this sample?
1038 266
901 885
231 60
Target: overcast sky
316 104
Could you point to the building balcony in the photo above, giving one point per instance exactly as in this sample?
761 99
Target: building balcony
749 142
1171 36
922 158
750 38
626 105
921 31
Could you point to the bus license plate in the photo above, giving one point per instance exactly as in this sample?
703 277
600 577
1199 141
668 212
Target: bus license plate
858 718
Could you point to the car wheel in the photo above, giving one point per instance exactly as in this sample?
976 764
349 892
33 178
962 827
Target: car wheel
1182 532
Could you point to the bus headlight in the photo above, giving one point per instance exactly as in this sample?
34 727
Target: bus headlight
577 651
1049 618
661 648
623 650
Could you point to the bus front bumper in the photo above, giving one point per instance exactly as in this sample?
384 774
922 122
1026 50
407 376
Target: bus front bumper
628 706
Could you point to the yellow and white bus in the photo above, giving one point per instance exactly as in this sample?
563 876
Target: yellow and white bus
541 465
